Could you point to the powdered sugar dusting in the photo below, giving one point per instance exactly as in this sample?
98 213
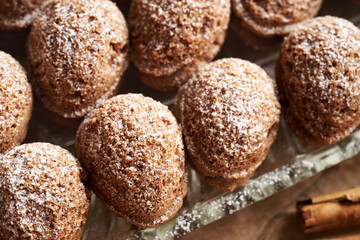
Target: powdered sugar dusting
15 102
20 14
77 53
269 17
167 35
228 112
132 145
41 193
319 76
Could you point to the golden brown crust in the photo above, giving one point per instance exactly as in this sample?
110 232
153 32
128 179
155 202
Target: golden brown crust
15 102
230 115
77 54
269 19
41 194
132 148
164 46
318 79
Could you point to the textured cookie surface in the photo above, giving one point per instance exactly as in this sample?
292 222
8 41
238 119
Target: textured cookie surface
318 74
230 115
77 54
20 14
176 79
41 194
268 17
132 148
15 102
169 35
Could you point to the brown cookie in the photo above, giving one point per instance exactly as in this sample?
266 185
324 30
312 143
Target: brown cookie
41 193
229 114
16 14
168 82
318 75
263 23
15 102
77 55
171 39
132 148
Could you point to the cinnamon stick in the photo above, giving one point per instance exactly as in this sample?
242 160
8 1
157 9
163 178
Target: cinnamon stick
330 211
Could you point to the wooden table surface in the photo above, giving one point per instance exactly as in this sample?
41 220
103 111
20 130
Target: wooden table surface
275 217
